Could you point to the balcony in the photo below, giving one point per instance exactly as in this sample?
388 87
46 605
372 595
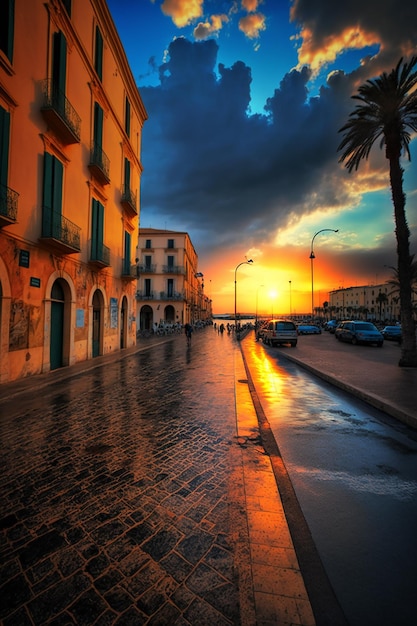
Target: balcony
61 235
128 201
147 269
99 164
145 295
129 272
171 296
8 206
99 255
173 269
59 113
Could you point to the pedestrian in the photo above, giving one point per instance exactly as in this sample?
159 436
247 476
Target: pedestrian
188 332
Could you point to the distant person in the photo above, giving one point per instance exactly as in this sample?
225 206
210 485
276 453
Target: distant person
188 333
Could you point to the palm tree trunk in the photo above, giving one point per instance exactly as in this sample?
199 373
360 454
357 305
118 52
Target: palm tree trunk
409 347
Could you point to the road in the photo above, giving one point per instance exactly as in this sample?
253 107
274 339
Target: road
354 471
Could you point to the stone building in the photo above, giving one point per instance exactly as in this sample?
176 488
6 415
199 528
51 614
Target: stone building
367 302
170 287
71 120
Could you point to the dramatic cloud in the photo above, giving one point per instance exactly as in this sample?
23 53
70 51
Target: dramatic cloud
228 176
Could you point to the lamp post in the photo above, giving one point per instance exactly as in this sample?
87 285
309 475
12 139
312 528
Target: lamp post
289 282
312 257
248 261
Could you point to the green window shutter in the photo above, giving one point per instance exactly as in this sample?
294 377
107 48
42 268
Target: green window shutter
97 229
4 146
59 63
58 177
98 55
127 117
47 182
7 28
127 175
98 125
126 260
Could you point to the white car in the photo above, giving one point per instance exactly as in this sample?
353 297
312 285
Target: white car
278 332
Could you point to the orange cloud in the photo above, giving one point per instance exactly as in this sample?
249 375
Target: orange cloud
317 53
252 24
182 12
251 5
206 29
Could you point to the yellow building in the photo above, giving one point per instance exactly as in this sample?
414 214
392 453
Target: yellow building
170 287
71 120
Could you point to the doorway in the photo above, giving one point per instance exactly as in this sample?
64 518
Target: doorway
97 323
56 346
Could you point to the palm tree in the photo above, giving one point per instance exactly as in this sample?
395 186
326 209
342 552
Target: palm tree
388 112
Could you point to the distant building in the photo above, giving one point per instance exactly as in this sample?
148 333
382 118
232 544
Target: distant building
170 287
71 121
367 302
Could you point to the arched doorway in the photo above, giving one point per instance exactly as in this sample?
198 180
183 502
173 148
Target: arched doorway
56 344
123 323
170 314
97 335
146 317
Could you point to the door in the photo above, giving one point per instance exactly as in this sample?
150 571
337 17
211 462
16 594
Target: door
123 324
96 323
57 326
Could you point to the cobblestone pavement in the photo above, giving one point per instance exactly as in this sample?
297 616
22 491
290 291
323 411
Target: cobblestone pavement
120 495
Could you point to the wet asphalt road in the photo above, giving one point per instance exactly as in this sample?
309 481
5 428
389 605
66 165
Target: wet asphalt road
115 492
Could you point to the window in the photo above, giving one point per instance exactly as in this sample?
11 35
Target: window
147 287
127 254
148 244
170 287
53 173
98 126
127 177
127 117
97 230
98 54
170 243
59 70
148 262
170 263
7 28
4 148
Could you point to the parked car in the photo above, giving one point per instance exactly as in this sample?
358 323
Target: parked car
308 329
331 326
392 333
359 332
280 331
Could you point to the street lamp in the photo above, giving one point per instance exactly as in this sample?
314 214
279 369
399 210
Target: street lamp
237 267
312 257
289 282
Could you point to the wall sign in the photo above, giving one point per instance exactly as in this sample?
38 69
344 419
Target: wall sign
35 282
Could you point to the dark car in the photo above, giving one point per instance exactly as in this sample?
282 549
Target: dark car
331 326
308 329
359 332
392 333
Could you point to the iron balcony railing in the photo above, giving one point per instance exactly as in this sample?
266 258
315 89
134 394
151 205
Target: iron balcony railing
129 272
61 230
129 200
145 295
147 269
99 163
164 295
100 254
8 205
173 269
60 113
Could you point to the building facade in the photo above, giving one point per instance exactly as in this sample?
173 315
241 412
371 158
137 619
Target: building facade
71 120
375 303
170 289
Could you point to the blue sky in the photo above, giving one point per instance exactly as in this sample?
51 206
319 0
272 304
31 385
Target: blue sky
245 99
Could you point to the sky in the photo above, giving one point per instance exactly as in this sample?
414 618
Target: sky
245 99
